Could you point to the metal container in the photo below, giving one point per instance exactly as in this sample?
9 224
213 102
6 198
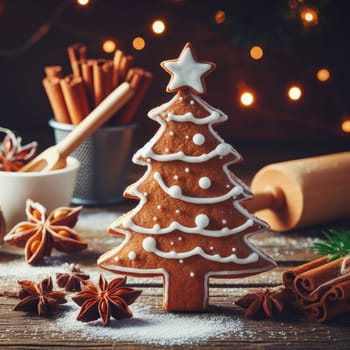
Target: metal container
104 163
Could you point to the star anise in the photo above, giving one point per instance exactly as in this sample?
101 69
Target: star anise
260 304
12 154
39 298
105 299
41 233
71 281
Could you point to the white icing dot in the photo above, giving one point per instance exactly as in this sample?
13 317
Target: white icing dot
175 191
202 220
155 218
211 248
149 244
159 206
171 243
167 150
223 149
192 274
177 211
224 221
187 170
171 133
181 261
204 182
132 255
116 258
179 238
228 186
233 249
192 102
181 98
145 194
198 139
148 160
175 177
187 137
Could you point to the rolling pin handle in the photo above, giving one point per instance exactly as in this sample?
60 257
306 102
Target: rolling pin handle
271 197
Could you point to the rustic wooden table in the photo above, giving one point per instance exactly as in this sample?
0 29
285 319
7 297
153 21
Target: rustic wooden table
222 327
23 331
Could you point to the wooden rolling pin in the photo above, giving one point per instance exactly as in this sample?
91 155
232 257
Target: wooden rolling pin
302 192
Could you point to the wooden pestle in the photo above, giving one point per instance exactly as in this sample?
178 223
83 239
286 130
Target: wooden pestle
302 192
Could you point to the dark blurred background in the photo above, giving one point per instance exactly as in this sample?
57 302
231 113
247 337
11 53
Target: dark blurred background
297 37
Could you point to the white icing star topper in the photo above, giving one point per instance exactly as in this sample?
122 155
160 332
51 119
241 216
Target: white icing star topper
187 71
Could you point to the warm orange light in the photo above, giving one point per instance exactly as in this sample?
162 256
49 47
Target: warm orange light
83 2
158 26
138 43
247 98
294 93
323 74
220 17
345 126
256 52
109 46
309 16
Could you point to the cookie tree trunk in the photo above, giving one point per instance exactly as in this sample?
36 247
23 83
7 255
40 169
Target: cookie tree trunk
177 299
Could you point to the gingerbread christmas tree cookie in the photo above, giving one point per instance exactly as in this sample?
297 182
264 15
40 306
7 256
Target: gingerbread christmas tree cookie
189 224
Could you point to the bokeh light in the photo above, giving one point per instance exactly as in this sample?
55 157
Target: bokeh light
138 43
158 26
309 16
220 17
83 2
109 46
345 126
247 98
323 75
294 93
256 52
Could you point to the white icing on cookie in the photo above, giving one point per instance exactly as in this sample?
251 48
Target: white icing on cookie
204 182
175 225
220 150
189 117
132 255
201 220
198 139
149 244
186 71
176 192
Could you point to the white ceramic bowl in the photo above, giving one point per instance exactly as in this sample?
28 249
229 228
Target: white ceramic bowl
52 189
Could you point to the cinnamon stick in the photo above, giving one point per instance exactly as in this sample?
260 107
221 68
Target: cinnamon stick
116 67
289 276
55 95
53 71
125 64
87 75
102 79
76 52
140 82
75 97
312 283
334 302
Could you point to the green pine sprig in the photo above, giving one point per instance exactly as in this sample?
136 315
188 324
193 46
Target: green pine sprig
335 245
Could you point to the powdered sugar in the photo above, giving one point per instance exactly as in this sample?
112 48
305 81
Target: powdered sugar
18 269
149 328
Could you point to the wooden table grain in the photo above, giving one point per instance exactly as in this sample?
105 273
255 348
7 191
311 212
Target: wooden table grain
22 331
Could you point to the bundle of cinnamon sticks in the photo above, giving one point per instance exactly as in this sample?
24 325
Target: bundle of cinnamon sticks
322 288
73 96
